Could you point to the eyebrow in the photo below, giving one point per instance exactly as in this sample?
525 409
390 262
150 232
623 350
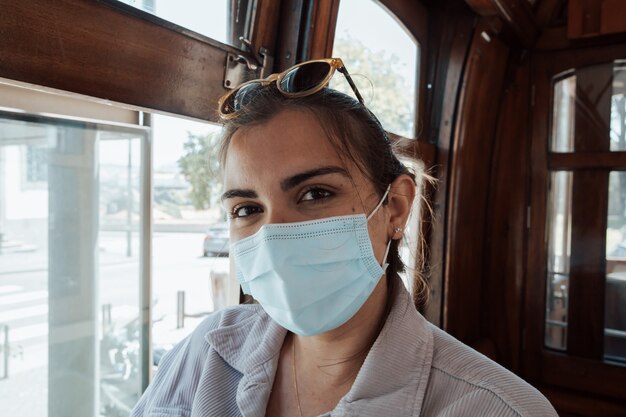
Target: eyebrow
294 180
289 182
238 193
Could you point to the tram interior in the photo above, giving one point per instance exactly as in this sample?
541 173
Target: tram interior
114 246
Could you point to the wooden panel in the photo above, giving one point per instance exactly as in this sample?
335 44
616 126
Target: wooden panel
589 18
547 12
555 62
483 7
571 403
322 30
519 17
412 15
452 28
104 53
585 329
468 184
583 18
266 19
613 16
535 288
517 14
291 25
587 160
585 375
506 228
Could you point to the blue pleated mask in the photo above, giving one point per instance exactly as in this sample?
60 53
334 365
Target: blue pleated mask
311 276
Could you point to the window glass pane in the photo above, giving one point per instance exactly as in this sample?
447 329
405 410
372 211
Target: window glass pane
383 59
209 18
190 237
615 296
618 108
70 278
563 115
559 225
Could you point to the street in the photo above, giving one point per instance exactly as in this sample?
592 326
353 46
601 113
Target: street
178 265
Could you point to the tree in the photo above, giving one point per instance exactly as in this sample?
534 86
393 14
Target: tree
393 100
200 166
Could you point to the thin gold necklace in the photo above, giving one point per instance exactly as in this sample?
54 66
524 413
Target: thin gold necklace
295 379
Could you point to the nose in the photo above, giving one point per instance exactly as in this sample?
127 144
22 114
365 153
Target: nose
275 216
278 212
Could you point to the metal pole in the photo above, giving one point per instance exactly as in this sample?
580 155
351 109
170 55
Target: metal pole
180 309
106 317
129 202
145 228
2 197
5 348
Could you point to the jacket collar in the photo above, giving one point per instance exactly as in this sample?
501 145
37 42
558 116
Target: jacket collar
391 381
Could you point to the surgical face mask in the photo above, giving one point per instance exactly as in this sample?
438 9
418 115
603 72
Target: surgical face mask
311 276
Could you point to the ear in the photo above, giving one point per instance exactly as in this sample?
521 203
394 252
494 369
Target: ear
401 196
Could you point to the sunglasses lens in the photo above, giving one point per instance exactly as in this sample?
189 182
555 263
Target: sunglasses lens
305 77
244 95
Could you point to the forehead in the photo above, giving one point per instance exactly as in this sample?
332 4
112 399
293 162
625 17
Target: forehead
290 142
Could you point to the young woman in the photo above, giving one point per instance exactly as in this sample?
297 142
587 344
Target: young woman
317 203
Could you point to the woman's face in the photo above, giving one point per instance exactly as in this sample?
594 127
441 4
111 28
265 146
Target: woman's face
286 170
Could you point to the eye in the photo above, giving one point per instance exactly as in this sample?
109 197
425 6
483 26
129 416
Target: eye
314 194
244 211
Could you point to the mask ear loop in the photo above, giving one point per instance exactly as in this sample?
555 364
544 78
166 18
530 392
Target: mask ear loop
380 203
385 263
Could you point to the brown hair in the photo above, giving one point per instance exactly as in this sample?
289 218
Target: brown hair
355 133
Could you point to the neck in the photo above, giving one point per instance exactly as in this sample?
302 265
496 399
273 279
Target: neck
335 357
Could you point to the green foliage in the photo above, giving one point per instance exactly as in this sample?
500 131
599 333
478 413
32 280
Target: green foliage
200 166
389 96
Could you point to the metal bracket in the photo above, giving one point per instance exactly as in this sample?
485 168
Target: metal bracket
240 68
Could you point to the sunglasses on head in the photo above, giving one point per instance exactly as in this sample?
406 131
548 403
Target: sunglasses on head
300 80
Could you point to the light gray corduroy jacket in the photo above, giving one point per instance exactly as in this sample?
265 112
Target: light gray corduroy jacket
226 368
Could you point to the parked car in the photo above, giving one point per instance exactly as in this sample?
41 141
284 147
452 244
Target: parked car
216 240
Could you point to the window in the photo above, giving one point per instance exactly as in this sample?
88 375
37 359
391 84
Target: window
589 115
575 321
383 60
190 238
71 271
222 20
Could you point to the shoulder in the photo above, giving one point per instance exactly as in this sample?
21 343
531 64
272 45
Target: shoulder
462 379
180 370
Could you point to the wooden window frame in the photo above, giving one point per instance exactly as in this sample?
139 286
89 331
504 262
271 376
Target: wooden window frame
581 367
105 52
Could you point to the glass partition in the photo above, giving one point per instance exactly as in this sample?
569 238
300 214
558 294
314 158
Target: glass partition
70 275
615 294
559 231
563 115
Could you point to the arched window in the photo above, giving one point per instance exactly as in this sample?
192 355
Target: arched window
383 58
